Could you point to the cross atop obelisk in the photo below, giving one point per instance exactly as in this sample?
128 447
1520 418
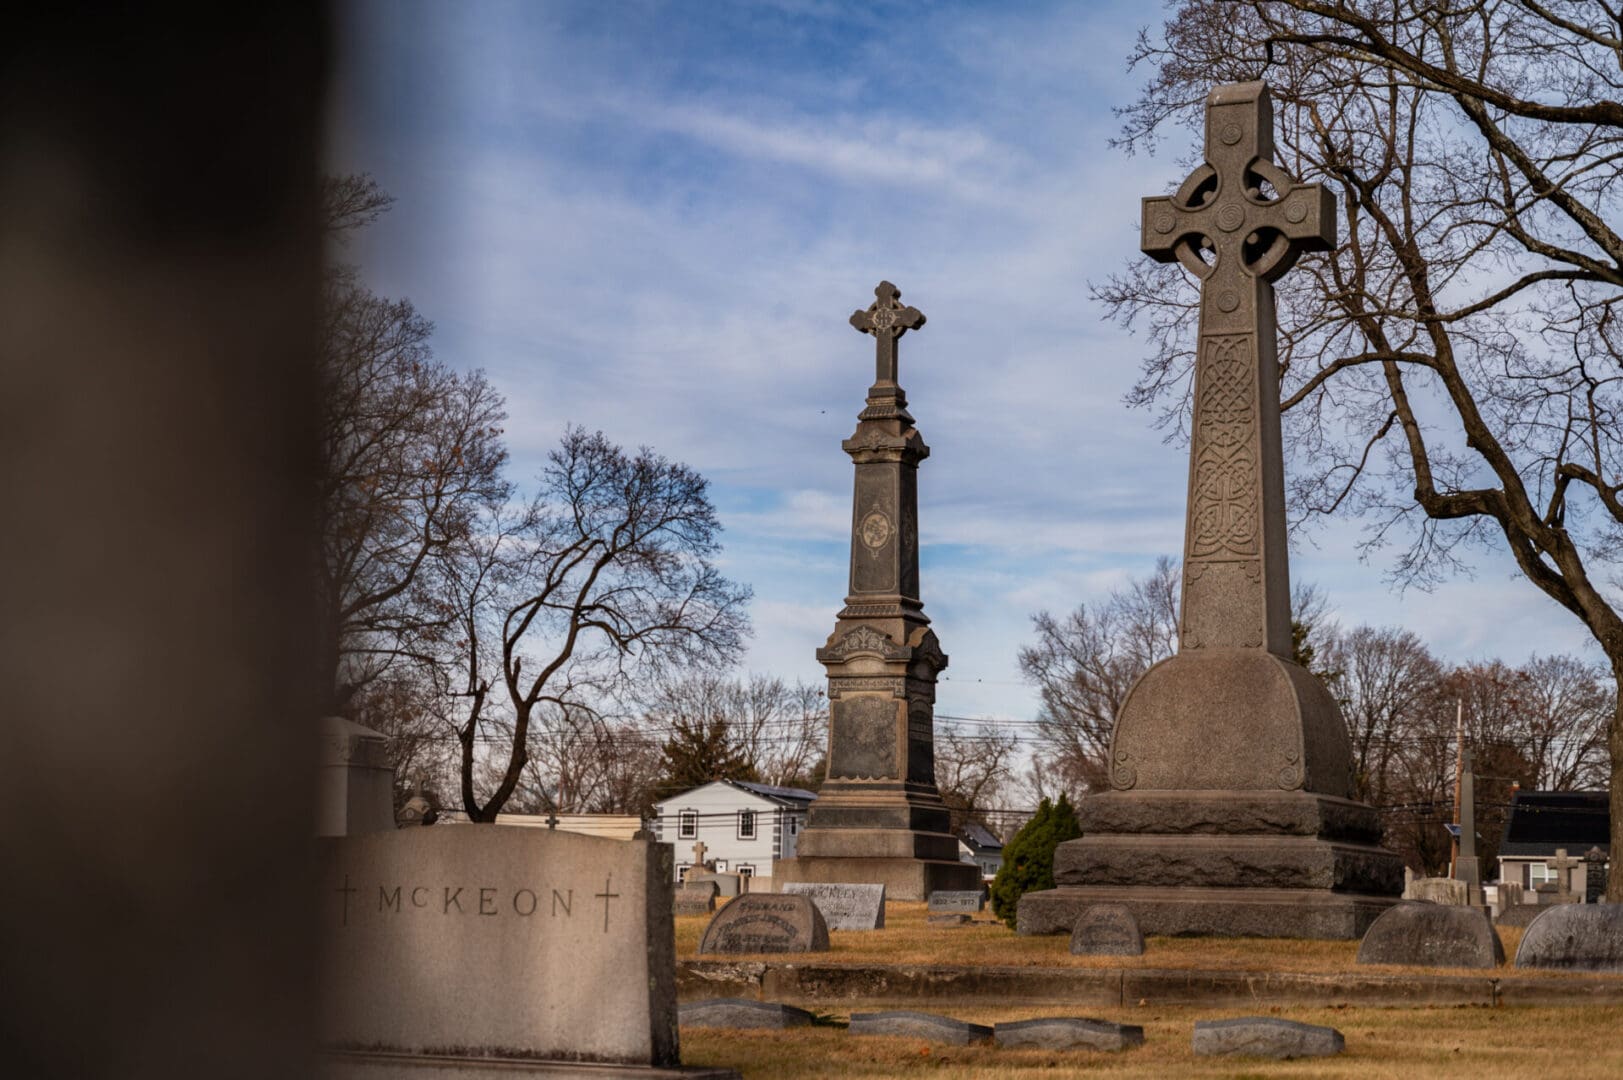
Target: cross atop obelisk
887 320
1237 223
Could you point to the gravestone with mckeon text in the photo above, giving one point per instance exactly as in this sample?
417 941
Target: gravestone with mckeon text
844 907
496 942
879 817
1230 765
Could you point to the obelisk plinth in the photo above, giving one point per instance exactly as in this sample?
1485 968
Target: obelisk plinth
879 818
1230 765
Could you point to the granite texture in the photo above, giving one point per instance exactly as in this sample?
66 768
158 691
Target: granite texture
1574 937
920 1025
844 906
1297 913
1262 1036
1107 930
742 1013
1432 935
766 923
1521 915
1067 1033
577 930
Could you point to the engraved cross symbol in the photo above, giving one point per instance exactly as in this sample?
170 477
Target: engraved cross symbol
887 320
348 891
1223 207
606 896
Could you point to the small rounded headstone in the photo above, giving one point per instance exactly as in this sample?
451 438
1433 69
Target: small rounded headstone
1107 930
1432 935
1265 1036
1574 937
920 1025
766 923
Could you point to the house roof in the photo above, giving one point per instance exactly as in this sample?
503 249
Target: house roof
794 798
1540 822
789 796
980 837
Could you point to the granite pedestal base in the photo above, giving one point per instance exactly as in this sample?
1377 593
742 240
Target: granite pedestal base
1224 863
903 878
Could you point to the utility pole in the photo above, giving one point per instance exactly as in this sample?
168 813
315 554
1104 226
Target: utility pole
1459 770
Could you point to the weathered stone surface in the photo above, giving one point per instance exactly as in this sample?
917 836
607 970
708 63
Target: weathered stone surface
742 1013
1234 813
1236 912
1432 935
948 918
696 898
1262 1036
844 906
1520 914
1280 862
879 817
920 1025
727 885
766 923
356 790
1068 1033
958 900
1107 930
1575 937
579 927
1436 890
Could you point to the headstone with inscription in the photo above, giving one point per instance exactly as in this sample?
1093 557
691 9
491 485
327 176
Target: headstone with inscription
844 907
957 900
766 923
1231 772
1107 930
879 817
420 924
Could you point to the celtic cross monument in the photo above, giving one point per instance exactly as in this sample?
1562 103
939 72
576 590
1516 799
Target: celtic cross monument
878 818
1230 768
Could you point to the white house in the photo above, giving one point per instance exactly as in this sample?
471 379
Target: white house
977 845
742 826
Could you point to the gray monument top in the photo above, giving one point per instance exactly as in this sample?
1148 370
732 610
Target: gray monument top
887 319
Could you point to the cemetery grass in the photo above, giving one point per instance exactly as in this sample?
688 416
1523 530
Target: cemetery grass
908 939
1462 1042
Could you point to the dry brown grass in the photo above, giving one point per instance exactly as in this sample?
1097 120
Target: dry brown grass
907 939
1400 1043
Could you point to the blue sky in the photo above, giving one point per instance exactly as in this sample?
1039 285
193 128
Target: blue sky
653 219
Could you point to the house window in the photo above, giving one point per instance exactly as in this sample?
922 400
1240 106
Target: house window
746 824
682 872
745 870
1540 874
721 866
793 825
687 824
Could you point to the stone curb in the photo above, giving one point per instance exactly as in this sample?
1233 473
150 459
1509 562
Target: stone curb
1118 987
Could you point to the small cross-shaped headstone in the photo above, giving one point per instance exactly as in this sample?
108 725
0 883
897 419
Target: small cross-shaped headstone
698 854
1563 865
1237 223
887 320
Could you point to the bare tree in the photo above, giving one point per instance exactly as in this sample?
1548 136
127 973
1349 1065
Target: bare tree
1453 369
412 456
1567 704
607 574
1083 666
1385 679
974 767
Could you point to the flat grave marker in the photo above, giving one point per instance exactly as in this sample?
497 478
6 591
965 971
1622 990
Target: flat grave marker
957 900
920 1025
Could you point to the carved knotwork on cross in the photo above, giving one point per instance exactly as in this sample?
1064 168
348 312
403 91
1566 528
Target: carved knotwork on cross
1237 223
887 319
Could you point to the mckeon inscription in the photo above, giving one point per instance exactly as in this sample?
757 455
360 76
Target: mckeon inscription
419 924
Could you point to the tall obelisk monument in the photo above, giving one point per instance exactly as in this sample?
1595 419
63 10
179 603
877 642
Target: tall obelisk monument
878 817
1230 764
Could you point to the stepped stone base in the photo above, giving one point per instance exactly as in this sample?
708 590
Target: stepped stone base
1225 863
903 878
